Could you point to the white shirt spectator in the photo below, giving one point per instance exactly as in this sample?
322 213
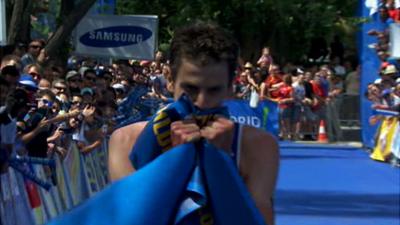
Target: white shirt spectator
299 93
353 83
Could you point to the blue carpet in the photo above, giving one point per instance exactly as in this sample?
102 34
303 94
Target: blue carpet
335 186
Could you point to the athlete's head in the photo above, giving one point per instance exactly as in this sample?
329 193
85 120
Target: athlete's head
203 60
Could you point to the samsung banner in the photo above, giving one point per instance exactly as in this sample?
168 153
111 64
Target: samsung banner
3 27
395 40
122 37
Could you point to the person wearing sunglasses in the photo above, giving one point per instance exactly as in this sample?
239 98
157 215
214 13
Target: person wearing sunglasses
73 79
58 87
40 124
35 70
34 49
89 78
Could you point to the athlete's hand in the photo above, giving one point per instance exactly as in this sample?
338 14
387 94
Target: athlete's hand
184 131
219 132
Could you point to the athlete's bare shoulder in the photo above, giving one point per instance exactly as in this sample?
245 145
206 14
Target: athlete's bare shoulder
125 133
259 165
119 147
258 141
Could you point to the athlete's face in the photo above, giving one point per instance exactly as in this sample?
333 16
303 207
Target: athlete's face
207 85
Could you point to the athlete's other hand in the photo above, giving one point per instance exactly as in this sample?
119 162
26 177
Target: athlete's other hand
184 131
219 132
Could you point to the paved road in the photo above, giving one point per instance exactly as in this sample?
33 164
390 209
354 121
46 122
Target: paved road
327 185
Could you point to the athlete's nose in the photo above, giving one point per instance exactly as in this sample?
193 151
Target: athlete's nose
203 100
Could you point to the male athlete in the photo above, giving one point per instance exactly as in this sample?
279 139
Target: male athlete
203 60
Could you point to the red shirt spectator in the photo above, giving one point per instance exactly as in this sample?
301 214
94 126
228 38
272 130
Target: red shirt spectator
272 81
285 96
319 93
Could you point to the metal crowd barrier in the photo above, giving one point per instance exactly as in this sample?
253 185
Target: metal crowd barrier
343 116
35 190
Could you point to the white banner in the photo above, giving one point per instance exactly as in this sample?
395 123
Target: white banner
395 40
122 37
3 25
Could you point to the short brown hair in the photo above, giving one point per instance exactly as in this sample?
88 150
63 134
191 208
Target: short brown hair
200 42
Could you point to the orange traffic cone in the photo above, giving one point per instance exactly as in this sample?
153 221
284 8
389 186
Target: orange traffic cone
322 137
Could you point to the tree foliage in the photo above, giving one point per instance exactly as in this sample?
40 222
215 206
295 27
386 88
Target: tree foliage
286 25
20 14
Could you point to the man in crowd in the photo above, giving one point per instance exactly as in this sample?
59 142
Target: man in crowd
203 61
35 54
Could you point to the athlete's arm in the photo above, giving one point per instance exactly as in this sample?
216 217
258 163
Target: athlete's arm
119 147
259 164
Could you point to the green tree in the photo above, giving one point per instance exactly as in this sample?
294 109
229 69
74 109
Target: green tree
285 25
19 13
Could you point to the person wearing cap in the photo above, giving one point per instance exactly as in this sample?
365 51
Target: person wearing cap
390 71
248 66
27 83
73 79
87 95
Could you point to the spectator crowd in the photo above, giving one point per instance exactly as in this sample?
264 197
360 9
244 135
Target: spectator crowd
384 92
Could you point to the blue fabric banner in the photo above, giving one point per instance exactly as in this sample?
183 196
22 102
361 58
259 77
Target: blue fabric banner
152 195
369 69
264 116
